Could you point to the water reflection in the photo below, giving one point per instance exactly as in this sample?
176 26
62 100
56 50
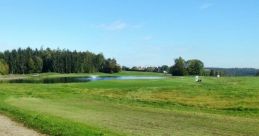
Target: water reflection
78 79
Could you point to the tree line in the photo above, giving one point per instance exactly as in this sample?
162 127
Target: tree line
180 68
25 61
195 67
236 71
159 69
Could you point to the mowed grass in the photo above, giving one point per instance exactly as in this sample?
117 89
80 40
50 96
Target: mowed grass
170 106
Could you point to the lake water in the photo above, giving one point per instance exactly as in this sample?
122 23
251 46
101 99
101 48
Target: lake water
80 79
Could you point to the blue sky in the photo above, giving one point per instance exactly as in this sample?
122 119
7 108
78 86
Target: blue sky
222 33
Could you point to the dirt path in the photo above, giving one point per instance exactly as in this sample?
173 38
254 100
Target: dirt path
11 128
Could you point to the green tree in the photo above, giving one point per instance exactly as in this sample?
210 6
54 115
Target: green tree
111 66
125 68
212 72
4 68
30 66
179 68
164 68
99 61
21 61
195 67
47 57
38 64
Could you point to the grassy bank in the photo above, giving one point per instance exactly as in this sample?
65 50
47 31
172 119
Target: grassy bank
171 106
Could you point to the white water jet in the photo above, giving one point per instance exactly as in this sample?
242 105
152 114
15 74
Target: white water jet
93 76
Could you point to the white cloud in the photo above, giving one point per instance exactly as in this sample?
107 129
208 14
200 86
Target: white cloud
114 26
206 6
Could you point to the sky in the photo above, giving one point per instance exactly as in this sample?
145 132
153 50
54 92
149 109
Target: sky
221 33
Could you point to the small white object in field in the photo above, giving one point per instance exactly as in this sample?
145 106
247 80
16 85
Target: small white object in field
165 72
218 76
196 78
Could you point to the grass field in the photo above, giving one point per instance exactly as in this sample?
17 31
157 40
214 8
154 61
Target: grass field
170 106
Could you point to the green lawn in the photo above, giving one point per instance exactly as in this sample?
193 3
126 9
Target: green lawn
170 106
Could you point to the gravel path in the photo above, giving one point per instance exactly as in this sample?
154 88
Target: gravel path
11 128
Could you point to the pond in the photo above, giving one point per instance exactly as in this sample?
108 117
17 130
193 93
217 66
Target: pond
79 79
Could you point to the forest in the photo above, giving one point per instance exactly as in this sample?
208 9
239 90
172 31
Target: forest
26 61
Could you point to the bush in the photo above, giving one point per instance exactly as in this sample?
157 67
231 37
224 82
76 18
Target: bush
4 68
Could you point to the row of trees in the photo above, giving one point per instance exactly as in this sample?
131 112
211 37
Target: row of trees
27 60
215 72
159 69
236 71
180 68
190 67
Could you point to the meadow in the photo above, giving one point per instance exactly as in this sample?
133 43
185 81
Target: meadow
170 106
